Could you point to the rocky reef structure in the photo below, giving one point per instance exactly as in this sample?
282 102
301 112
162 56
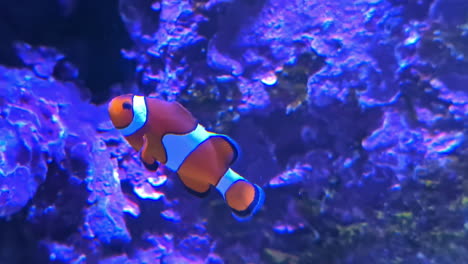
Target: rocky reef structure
352 114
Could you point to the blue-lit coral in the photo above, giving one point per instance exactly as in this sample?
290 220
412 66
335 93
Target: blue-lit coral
353 115
30 132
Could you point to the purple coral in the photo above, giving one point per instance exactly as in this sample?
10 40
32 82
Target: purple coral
352 114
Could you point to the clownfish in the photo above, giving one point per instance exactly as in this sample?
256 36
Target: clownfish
166 132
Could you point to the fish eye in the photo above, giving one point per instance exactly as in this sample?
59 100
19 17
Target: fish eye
127 105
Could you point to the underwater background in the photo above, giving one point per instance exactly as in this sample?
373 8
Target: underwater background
352 115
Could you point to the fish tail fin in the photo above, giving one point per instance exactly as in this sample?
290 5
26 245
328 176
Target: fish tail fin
253 208
242 195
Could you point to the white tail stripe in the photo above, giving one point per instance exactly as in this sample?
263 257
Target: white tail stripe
228 179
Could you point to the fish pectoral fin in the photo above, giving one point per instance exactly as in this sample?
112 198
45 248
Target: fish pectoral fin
147 160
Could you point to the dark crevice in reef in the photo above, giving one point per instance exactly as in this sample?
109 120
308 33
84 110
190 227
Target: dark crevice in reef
296 134
54 210
231 18
141 13
414 9
90 33
19 242
147 221
59 203
290 146
451 16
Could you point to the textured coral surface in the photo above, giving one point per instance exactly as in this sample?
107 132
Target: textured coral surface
353 115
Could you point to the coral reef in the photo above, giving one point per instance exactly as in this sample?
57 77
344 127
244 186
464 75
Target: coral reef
353 115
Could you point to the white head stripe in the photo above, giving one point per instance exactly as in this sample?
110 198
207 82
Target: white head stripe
140 115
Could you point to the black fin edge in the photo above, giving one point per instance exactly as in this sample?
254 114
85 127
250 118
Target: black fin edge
248 211
151 167
198 194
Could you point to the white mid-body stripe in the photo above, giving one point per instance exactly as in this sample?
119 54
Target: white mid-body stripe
178 147
140 115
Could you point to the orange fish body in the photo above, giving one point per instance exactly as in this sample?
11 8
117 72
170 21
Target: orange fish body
166 132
